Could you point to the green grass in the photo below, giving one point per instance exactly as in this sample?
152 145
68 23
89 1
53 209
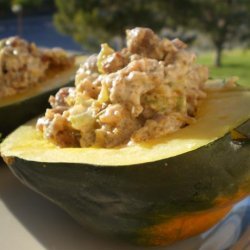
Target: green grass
234 63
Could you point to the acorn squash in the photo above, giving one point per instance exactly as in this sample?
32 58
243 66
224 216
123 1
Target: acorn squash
17 109
153 193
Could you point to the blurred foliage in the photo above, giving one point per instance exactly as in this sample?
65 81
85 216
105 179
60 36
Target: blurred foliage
235 63
4 5
93 21
27 3
224 22
28 7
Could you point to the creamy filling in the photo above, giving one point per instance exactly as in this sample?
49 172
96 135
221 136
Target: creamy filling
23 64
147 90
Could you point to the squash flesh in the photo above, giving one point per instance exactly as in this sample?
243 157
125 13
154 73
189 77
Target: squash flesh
217 115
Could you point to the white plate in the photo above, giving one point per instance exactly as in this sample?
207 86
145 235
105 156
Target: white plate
30 222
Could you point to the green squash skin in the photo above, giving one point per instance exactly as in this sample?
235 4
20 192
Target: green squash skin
123 201
19 112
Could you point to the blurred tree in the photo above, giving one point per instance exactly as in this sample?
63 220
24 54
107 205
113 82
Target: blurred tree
94 21
18 6
223 21
91 22
27 3
4 5
29 7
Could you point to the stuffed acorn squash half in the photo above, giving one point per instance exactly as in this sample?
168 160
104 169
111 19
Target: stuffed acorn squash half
95 155
28 76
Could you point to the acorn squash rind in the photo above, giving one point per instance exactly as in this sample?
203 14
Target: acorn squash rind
134 201
130 201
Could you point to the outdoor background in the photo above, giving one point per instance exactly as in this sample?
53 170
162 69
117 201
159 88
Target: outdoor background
218 30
